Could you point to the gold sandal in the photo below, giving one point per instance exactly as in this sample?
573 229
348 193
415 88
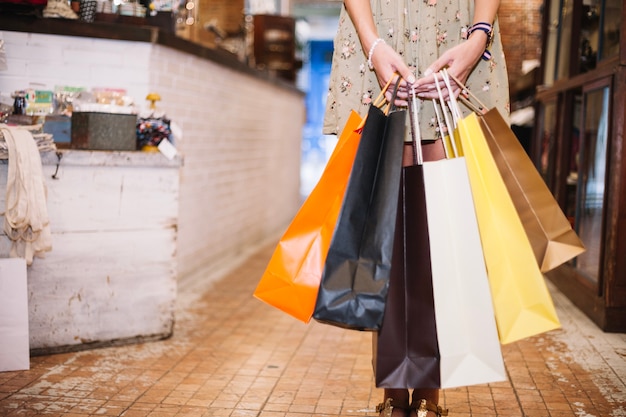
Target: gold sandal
426 406
387 408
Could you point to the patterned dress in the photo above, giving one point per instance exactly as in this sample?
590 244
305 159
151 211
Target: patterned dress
419 30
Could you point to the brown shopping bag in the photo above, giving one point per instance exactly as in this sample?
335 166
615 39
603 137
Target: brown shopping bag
292 277
406 352
550 233
551 236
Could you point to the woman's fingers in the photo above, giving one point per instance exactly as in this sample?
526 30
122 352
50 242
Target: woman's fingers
427 87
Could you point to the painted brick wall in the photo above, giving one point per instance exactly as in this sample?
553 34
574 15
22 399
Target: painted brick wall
241 134
520 25
242 140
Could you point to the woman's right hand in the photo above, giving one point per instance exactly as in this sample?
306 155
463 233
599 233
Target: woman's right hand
386 61
388 64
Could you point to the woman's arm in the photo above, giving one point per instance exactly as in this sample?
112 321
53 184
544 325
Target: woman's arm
461 59
385 61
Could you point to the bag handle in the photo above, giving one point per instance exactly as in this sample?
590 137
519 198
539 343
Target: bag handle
450 126
452 101
440 109
380 101
477 107
416 136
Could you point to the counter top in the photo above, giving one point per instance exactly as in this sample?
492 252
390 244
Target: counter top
75 157
80 157
127 32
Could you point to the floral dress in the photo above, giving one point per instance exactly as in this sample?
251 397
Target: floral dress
419 30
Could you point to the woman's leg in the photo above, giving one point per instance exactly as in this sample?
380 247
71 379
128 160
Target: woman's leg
431 395
399 405
428 394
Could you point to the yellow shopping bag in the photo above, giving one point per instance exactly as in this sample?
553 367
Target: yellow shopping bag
522 303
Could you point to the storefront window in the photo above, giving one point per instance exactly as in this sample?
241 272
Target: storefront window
565 39
552 39
573 159
612 15
589 35
590 196
589 29
548 142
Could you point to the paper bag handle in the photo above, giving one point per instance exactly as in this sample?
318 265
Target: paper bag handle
480 109
380 101
440 109
450 126
416 136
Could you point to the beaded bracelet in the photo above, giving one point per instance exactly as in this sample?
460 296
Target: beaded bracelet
371 52
488 29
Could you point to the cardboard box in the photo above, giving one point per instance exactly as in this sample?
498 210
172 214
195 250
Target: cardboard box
104 131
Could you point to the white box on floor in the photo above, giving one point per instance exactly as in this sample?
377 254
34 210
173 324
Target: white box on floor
14 346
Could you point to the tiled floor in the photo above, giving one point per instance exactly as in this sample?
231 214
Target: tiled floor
232 355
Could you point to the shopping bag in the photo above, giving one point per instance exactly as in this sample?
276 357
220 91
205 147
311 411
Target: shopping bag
292 277
14 343
466 329
467 336
406 352
551 236
522 303
439 329
355 281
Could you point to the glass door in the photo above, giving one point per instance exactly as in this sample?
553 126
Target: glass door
547 152
592 158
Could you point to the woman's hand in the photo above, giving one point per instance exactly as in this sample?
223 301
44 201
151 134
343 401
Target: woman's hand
460 60
388 64
384 59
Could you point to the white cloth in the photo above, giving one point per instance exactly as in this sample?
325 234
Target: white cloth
26 220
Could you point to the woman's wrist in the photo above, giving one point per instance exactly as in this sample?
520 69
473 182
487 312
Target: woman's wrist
483 30
371 51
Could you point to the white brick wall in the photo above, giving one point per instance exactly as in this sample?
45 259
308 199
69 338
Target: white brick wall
45 61
242 156
241 145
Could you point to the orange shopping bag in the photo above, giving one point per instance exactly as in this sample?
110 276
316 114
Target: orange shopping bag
292 278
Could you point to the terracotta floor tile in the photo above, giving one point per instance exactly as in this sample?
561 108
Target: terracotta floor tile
233 356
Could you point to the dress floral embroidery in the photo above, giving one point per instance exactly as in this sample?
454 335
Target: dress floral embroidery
419 30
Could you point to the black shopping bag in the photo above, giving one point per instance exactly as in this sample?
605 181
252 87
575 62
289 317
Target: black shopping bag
354 284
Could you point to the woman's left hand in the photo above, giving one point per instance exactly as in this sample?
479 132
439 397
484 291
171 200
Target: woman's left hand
460 60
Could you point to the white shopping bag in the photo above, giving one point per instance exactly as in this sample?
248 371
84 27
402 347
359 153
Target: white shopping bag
467 333
466 327
14 347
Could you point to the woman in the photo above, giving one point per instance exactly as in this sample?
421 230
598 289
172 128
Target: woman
378 39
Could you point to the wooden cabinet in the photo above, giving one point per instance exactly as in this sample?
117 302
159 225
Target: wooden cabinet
275 45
